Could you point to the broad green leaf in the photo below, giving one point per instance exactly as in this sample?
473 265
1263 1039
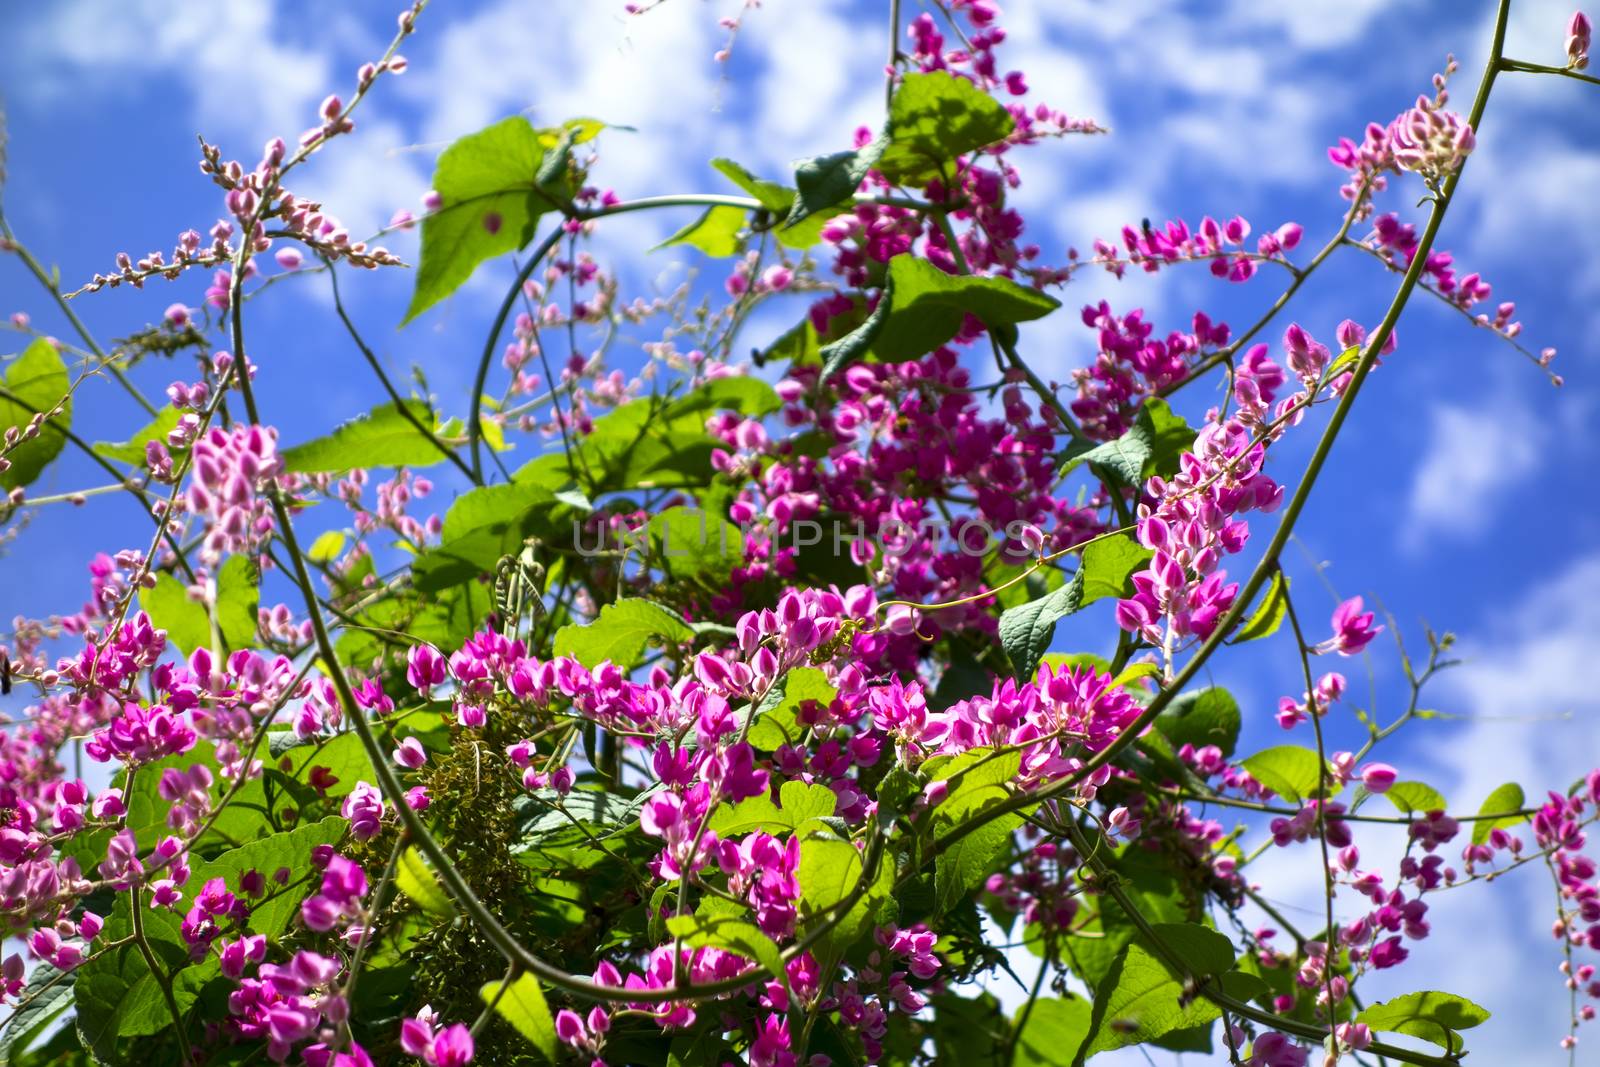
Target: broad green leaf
327 546
1108 565
237 597
278 856
116 994
621 632
1268 615
1053 1026
1203 717
1202 950
48 994
169 607
522 1004
493 507
716 233
417 881
1027 629
729 932
131 451
694 544
934 118
928 307
748 396
801 803
1504 800
384 438
778 718
830 869
39 380
824 182
1429 1015
488 183
337 763
186 622
1158 437
1415 798
1288 770
776 199
978 781
1141 1000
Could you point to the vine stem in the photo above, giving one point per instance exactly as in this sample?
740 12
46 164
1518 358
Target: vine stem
388 386
1292 511
1206 985
44 279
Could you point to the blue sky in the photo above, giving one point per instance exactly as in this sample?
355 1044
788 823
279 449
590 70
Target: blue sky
1462 493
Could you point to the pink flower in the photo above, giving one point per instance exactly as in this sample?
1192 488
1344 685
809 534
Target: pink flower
288 258
411 754
1378 777
1578 33
425 668
1352 629
177 316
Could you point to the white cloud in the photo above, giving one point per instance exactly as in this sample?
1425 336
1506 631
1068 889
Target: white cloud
245 77
1472 457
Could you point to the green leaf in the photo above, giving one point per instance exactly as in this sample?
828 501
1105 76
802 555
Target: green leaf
776 199
1288 770
1108 565
188 626
1205 717
934 118
338 762
169 607
522 1004
494 507
830 868
1053 1026
491 199
1027 629
621 633
131 451
928 307
778 718
1141 1000
116 994
1269 613
1202 950
694 544
1415 798
732 933
801 804
716 232
1430 1015
38 378
417 881
824 182
750 397
327 546
237 597
1505 799
384 438
25 1027
978 780
1152 446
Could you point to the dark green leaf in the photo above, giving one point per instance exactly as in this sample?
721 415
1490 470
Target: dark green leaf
1204 717
1027 630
